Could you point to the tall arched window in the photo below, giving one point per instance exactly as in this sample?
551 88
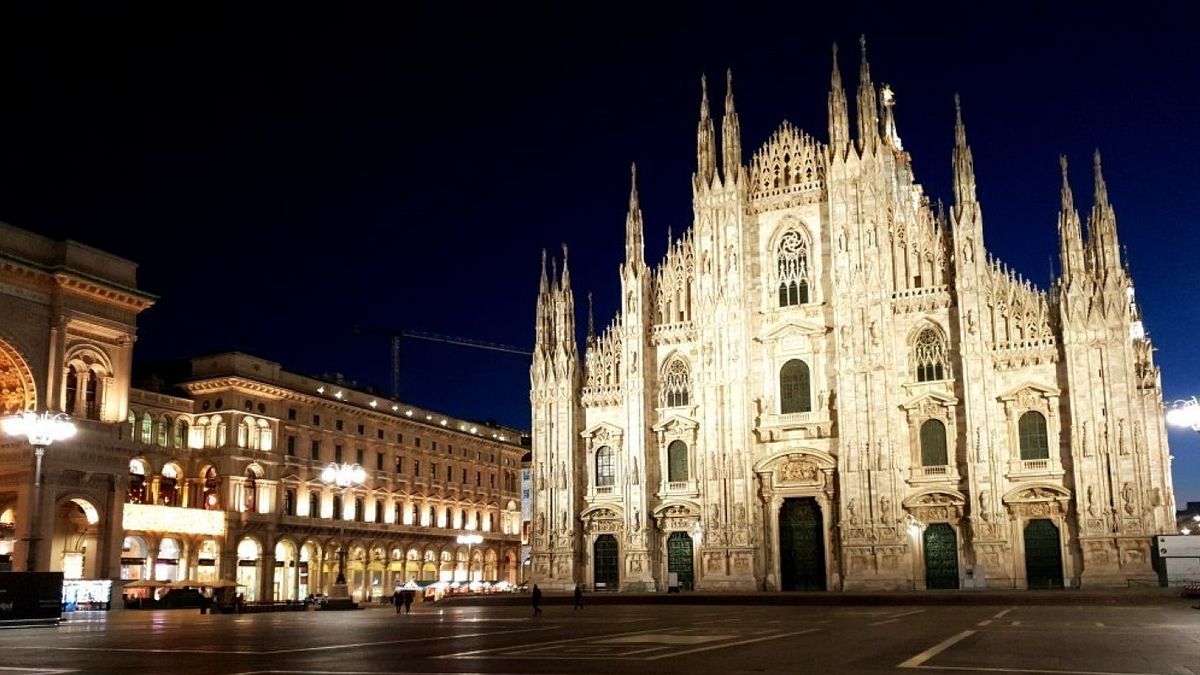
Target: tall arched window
132 421
212 490
933 443
677 461
250 491
164 431
792 260
605 470
181 433
91 402
137 483
929 355
1032 430
72 389
795 393
147 436
675 385
337 507
168 485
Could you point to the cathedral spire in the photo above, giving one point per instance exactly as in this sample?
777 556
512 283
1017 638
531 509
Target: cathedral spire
706 151
1102 227
839 119
868 110
887 104
543 328
1069 237
566 304
964 164
591 321
634 237
731 134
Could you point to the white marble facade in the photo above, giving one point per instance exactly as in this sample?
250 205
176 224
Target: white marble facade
829 383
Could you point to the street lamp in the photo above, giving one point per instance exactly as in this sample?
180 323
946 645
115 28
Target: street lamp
343 476
470 540
40 430
1185 413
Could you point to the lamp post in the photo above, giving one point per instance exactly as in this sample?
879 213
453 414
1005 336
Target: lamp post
41 430
470 540
342 476
1185 413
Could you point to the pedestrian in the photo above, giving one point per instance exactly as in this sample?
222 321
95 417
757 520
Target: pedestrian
578 596
409 596
537 600
397 600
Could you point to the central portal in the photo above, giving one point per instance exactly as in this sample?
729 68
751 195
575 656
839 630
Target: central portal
604 556
801 546
679 559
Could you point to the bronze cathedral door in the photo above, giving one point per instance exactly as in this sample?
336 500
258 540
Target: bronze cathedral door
801 546
941 556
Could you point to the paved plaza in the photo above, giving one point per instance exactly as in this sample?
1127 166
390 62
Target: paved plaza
1162 639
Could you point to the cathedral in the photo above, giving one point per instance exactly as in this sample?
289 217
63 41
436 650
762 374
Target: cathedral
828 383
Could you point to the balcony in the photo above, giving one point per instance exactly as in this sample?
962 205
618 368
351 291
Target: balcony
943 473
1024 469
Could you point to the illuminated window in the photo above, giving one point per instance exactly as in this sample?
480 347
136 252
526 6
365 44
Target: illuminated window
72 388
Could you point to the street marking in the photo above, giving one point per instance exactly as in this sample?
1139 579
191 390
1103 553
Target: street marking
665 639
533 646
1032 670
916 661
880 623
283 651
1001 614
908 613
731 644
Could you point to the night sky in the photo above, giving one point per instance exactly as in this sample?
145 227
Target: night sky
283 173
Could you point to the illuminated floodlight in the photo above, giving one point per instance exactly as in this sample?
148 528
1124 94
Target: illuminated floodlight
1185 413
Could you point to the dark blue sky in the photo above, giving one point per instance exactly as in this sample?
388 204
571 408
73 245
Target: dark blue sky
281 174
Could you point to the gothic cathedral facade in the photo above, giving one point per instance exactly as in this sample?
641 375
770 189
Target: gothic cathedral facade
828 383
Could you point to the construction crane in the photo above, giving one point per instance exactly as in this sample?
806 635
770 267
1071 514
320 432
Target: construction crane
394 334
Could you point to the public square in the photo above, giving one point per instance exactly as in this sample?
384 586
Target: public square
1160 639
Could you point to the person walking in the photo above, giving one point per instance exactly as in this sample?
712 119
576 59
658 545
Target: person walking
537 600
578 596
398 600
409 596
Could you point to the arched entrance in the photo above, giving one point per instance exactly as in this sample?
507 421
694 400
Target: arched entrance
306 569
133 558
941 556
75 546
166 566
801 546
285 571
206 560
606 568
680 559
249 555
1043 555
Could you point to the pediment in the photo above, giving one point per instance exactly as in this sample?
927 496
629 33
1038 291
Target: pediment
676 422
935 497
1036 492
1036 388
934 397
677 509
601 428
602 512
793 328
777 461
290 478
